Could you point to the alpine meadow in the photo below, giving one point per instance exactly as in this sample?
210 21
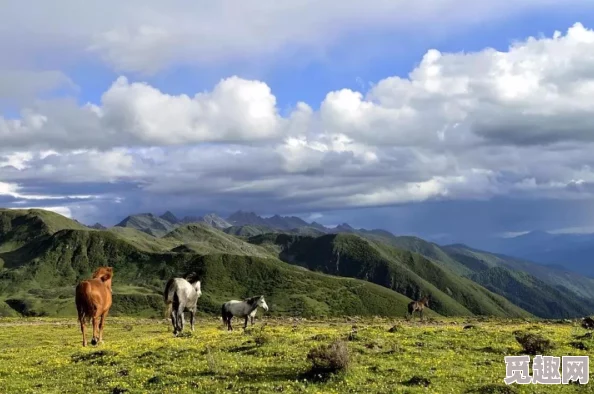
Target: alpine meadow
260 196
312 283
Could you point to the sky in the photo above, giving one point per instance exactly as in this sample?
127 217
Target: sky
452 120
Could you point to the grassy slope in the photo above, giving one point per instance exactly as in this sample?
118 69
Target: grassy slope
541 290
44 284
148 223
405 272
143 356
581 285
204 239
19 226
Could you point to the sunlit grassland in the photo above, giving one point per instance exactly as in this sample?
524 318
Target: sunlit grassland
43 355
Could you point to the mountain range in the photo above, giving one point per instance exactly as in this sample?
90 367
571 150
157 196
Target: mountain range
574 252
304 268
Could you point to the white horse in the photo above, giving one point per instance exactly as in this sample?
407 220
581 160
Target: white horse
181 296
241 309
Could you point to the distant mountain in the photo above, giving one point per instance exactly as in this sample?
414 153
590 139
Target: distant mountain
574 252
215 221
148 223
289 224
98 226
170 217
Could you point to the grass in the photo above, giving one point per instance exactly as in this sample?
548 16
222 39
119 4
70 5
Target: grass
142 356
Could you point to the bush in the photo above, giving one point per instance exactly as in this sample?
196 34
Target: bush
534 343
331 358
588 323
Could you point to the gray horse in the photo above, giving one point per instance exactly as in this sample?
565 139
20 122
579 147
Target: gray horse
241 309
181 295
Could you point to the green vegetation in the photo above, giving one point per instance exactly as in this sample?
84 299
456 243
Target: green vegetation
204 239
540 290
142 356
42 281
43 255
407 273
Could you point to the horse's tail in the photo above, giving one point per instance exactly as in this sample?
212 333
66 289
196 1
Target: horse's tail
411 308
84 305
168 295
224 313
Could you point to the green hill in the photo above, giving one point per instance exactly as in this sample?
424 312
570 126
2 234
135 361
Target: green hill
403 271
204 239
42 281
148 223
536 288
530 293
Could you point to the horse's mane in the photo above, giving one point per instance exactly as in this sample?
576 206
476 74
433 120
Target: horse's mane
192 277
252 300
103 273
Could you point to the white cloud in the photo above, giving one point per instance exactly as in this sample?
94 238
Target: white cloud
461 126
138 114
151 35
13 190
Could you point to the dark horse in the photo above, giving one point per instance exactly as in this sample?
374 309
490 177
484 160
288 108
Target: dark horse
418 306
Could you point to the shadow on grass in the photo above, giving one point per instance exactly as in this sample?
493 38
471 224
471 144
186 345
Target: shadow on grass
269 375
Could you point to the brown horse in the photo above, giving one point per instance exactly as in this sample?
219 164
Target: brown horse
93 300
418 306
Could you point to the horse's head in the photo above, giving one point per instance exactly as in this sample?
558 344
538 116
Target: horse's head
262 303
196 287
426 298
192 279
104 274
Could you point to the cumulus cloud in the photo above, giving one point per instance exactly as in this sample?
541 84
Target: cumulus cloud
138 114
460 126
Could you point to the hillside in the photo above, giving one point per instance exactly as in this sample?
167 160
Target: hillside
531 293
42 282
561 279
148 223
204 239
570 251
529 278
405 272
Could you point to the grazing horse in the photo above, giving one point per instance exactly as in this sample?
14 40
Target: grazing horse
93 300
241 309
181 295
418 306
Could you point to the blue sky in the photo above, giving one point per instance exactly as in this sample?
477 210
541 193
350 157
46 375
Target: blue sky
312 110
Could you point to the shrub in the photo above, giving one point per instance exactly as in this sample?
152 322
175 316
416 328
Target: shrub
534 343
588 323
331 358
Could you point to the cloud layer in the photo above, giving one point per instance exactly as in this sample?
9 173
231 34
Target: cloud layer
461 126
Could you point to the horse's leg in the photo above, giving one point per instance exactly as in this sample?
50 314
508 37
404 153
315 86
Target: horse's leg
174 321
95 330
245 324
192 313
101 325
82 329
421 312
180 318
252 320
229 317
